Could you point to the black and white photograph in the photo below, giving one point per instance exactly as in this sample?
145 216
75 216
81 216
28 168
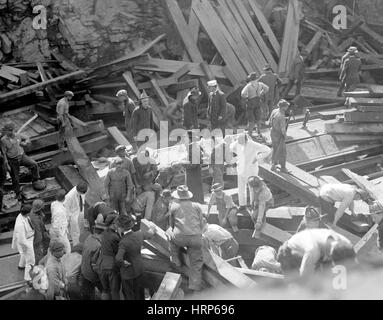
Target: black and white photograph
197 152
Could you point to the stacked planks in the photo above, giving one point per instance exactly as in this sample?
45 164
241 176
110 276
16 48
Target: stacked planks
365 116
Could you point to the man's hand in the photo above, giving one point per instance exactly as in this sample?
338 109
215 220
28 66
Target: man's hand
258 226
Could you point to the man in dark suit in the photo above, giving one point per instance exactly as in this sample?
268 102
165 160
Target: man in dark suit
216 110
129 258
110 273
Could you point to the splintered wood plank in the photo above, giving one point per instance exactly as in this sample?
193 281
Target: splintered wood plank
119 137
290 37
87 171
234 29
248 37
169 287
6 75
129 80
357 116
257 36
159 92
219 41
35 87
171 66
314 41
183 30
266 27
333 126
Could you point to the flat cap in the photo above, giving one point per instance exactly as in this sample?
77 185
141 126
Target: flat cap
68 94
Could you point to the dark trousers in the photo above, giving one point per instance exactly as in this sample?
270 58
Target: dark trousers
111 283
133 289
38 248
279 153
3 176
15 164
118 204
290 85
88 289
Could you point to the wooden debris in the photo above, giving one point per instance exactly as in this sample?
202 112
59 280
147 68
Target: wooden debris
169 287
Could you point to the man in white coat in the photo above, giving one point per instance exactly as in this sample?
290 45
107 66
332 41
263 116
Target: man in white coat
249 153
23 236
74 204
59 228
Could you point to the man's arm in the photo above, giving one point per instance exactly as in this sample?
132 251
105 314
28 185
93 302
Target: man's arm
309 262
120 255
264 88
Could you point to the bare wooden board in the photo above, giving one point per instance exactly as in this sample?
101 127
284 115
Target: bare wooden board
169 287
361 117
129 80
333 126
261 274
119 137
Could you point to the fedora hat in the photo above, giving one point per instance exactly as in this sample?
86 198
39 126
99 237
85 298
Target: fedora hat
216 187
37 205
182 193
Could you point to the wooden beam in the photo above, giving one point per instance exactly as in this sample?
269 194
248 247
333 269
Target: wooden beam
119 137
363 117
275 233
314 41
85 167
44 78
39 86
266 27
261 274
159 93
183 71
333 126
169 287
129 80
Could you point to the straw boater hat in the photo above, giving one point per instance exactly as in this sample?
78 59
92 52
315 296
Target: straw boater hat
120 148
122 93
352 50
182 193
216 187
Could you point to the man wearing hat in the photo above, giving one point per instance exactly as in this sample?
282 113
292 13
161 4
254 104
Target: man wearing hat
119 187
340 192
142 117
227 210
129 258
160 215
57 282
278 136
12 145
252 94
262 201
63 121
216 110
127 164
190 109
296 74
99 212
91 261
350 68
186 227
272 80
110 273
305 251
75 205
41 233
22 240
311 220
127 106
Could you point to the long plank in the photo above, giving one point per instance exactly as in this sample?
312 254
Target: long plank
257 36
266 27
261 274
233 29
219 41
129 80
314 41
39 86
85 167
119 137
248 37
353 128
275 233
171 66
52 138
358 116
169 287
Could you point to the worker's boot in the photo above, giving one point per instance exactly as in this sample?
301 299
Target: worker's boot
284 170
273 167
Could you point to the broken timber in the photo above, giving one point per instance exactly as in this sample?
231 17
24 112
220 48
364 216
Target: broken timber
38 86
169 288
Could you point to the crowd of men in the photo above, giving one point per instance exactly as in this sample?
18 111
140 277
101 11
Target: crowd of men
99 246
